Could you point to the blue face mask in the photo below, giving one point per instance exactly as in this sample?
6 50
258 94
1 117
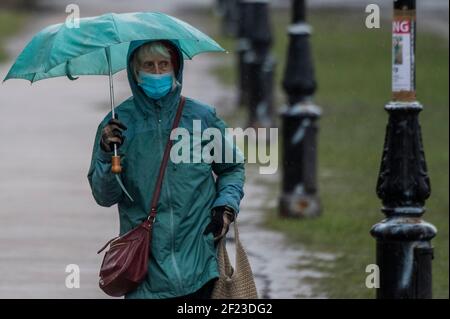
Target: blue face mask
155 85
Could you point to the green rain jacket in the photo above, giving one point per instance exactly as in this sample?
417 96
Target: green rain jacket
182 259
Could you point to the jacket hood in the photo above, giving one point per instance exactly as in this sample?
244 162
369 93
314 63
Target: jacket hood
145 104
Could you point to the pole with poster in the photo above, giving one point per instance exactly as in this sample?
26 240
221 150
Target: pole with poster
404 250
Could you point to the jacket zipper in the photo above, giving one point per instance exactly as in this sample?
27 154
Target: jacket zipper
172 244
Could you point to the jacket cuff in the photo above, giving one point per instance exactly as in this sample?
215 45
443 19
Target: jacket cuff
223 202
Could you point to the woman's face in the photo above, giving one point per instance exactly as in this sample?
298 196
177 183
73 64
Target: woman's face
156 64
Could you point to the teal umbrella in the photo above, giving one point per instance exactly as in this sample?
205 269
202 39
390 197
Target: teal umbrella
99 46
59 50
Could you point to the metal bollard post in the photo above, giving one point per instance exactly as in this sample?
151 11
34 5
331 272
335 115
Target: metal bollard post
299 123
260 66
243 46
230 17
219 8
404 250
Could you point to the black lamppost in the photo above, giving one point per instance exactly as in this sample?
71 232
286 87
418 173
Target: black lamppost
228 10
404 250
243 46
299 123
259 64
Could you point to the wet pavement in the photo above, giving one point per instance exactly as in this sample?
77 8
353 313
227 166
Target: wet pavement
281 269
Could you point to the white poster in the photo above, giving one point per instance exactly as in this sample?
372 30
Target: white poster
402 56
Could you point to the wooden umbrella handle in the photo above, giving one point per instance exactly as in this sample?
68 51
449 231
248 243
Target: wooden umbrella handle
115 165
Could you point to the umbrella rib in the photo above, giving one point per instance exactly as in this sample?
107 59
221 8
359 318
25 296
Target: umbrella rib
53 45
115 27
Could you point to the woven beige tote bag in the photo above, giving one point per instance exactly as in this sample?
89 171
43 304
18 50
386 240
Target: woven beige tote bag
235 283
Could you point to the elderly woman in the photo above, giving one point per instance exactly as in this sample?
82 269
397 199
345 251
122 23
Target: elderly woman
196 206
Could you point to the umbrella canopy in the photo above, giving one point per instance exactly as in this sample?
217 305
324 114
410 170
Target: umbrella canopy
59 50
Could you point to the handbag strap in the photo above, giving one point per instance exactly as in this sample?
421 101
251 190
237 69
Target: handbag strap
162 168
225 266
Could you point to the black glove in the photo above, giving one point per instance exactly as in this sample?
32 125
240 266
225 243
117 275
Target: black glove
222 217
112 134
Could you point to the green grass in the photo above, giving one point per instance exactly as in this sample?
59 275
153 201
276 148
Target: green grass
353 72
10 22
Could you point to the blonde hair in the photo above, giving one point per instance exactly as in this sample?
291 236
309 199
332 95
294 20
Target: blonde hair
152 48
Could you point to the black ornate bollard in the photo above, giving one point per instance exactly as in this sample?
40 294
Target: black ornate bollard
243 46
219 7
299 122
259 65
228 10
404 250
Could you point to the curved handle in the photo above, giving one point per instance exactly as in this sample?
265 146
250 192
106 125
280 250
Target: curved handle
115 165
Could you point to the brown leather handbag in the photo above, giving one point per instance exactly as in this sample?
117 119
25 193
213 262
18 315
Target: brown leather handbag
125 264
